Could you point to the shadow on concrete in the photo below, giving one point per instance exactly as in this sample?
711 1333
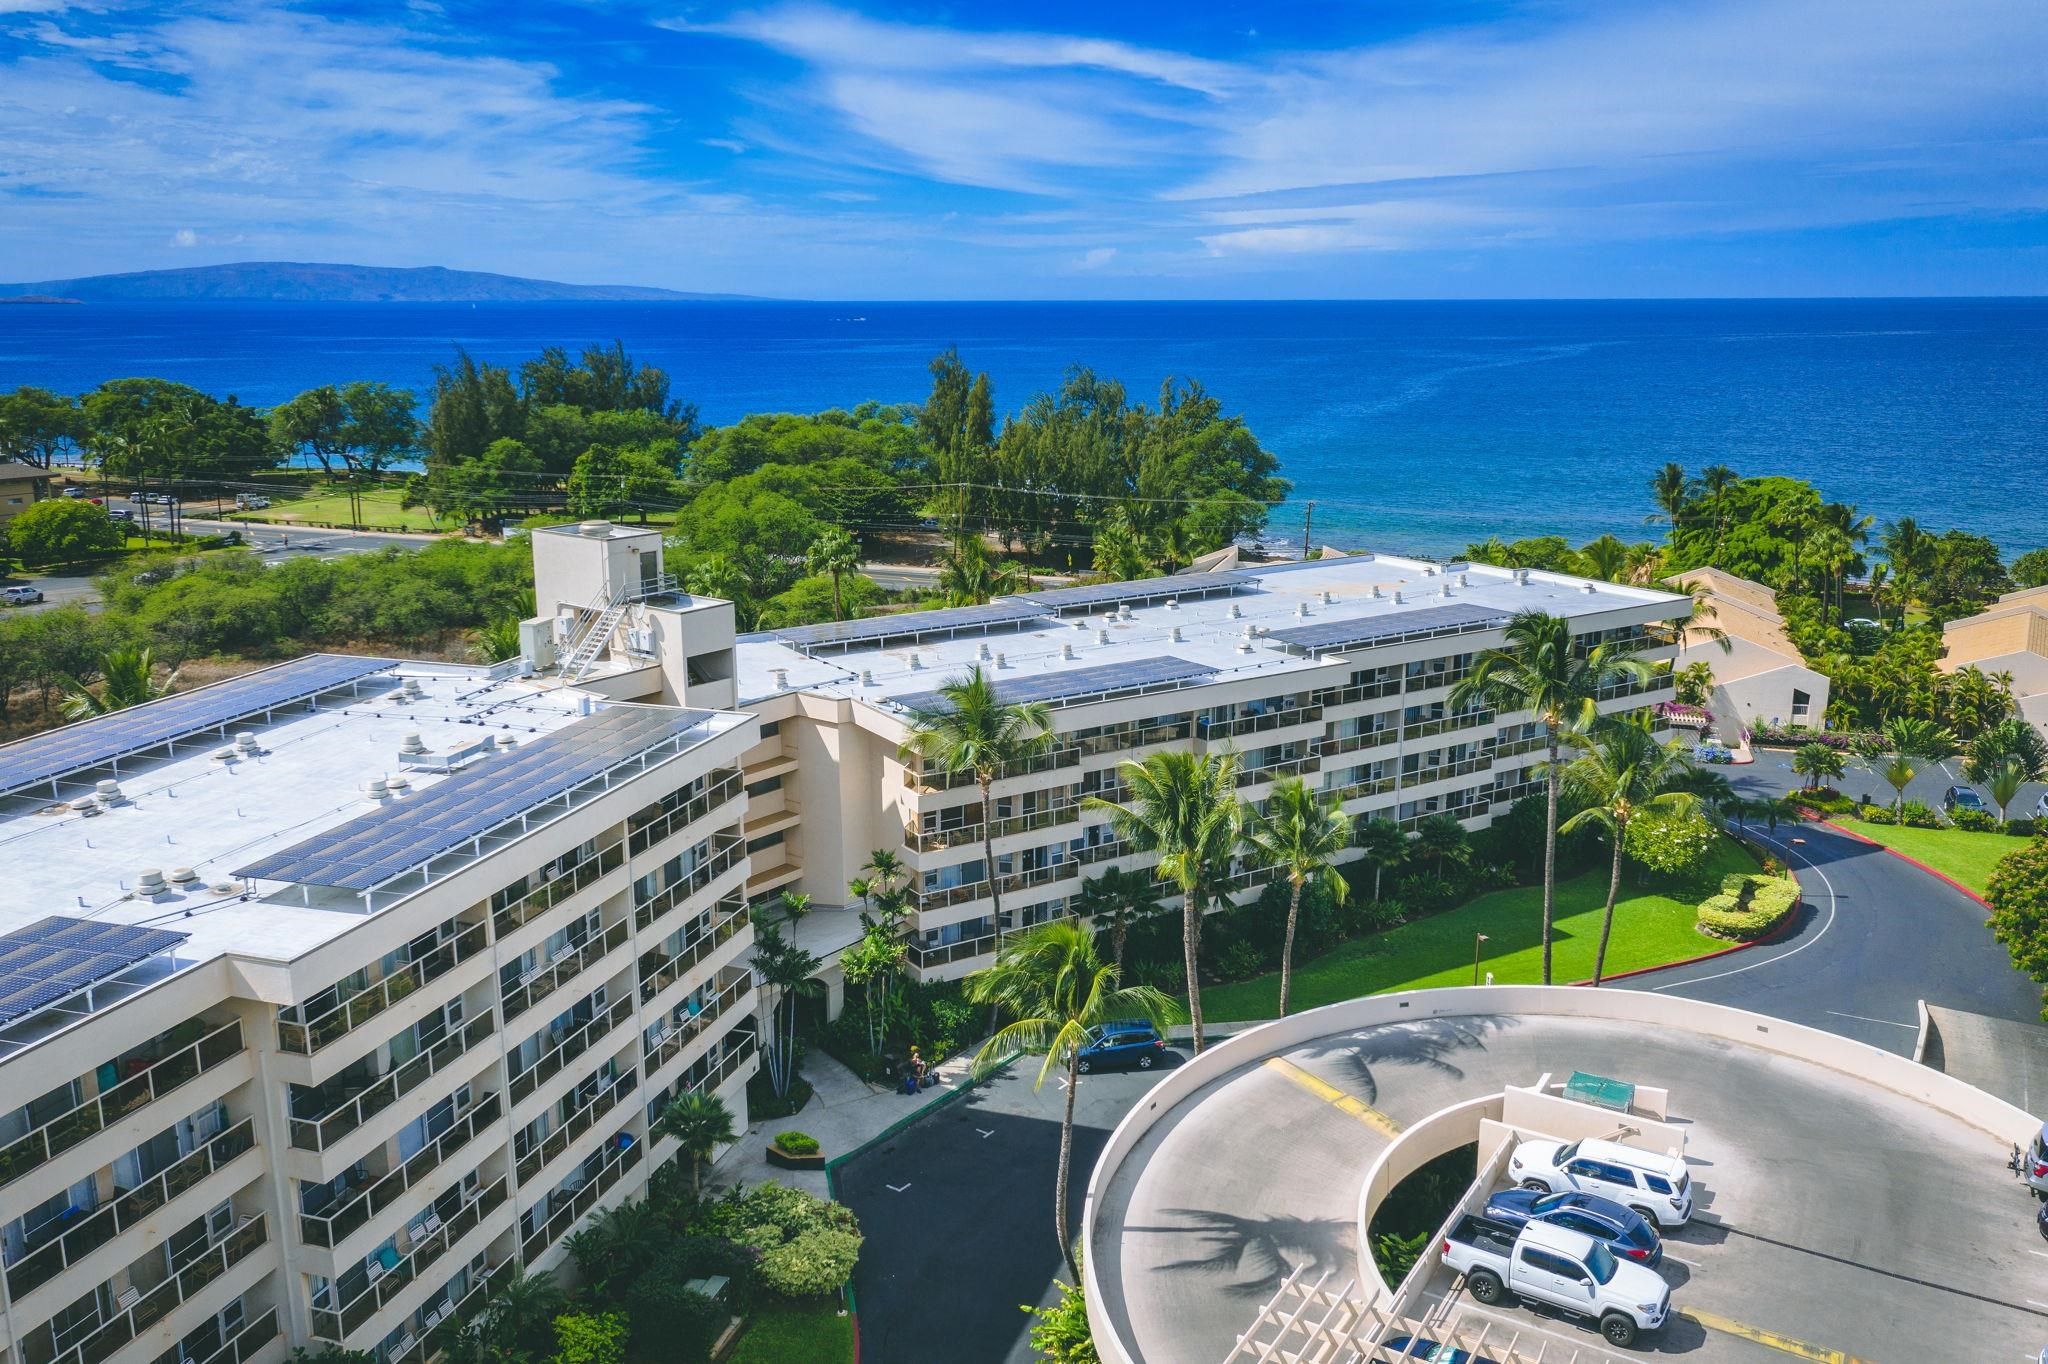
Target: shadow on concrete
1430 1043
1268 1248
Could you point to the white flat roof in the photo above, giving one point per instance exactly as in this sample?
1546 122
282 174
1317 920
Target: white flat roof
1269 597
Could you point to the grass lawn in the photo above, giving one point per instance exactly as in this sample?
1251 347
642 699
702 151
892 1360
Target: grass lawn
1960 854
329 505
1651 927
809 1332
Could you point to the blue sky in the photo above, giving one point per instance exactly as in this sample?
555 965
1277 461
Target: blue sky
1561 148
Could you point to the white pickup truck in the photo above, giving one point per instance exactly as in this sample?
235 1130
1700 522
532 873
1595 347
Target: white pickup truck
1560 1268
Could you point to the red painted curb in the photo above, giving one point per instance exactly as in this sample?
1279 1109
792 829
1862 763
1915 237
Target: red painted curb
1910 861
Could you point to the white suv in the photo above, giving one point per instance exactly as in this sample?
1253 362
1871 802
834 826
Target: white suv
1654 1186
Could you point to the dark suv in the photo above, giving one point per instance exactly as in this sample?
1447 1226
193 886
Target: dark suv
1130 1042
1963 798
1626 1233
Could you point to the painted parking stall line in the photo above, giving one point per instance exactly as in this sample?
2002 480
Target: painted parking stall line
1334 1096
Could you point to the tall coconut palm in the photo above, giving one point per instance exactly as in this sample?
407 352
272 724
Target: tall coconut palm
1120 899
1605 558
1818 764
700 1123
1541 668
1055 989
1183 807
1301 832
785 972
1382 845
837 553
127 678
1621 773
884 868
972 729
1673 492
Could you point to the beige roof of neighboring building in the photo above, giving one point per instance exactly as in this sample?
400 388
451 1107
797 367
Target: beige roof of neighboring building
1726 585
2007 628
2019 596
20 473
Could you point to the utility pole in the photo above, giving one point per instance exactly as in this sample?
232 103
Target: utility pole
1308 521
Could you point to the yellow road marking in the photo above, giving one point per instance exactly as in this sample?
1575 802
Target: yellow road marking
1336 1097
1800 1348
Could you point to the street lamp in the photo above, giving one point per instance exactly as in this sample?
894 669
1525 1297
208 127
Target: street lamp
1477 939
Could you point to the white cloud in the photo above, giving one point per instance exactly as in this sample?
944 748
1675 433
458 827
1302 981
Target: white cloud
1096 258
184 236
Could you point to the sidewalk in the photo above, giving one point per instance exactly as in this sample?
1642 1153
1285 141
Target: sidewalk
845 1113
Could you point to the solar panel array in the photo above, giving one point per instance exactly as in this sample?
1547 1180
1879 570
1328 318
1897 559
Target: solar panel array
102 739
907 624
54 958
1186 586
1057 686
1398 623
373 848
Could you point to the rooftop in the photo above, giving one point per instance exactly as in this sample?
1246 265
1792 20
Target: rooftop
1195 622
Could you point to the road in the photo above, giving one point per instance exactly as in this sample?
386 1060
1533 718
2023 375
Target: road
1772 774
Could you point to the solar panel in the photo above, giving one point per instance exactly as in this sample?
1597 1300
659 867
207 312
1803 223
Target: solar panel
907 624
54 958
106 738
1057 686
1187 587
1398 623
488 793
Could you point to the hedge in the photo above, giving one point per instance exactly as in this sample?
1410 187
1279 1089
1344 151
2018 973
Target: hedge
1748 907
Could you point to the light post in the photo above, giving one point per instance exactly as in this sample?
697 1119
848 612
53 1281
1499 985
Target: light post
1477 939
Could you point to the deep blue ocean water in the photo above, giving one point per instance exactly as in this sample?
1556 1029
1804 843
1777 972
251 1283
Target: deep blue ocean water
1414 426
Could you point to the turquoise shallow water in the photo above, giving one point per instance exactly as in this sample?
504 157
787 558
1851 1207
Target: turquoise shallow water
1416 426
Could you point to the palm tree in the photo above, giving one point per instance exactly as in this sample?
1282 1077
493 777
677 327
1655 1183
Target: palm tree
1698 620
1119 554
1183 807
1442 840
1605 558
1051 983
974 730
1120 898
701 1123
785 971
1622 773
1818 764
1540 668
495 641
1383 845
884 868
2012 738
1301 832
127 678
1672 491
837 553
521 1312
2005 782
968 576
1912 743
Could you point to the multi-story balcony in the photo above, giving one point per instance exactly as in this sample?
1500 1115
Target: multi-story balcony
1103 851
351 1211
60 1244
416 1346
238 1348
574 1044
304 1030
625 1155
1052 761
150 1079
947 896
1329 747
711 1070
1289 767
1377 786
1516 747
1216 731
658 972
738 993
1445 724
962 835
1356 692
566 965
550 893
538 1155
336 1317
1433 679
643 835
188 1276
946 954
340 1108
1471 808
1422 776
727 850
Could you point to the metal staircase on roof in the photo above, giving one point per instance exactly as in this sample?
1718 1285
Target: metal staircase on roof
583 653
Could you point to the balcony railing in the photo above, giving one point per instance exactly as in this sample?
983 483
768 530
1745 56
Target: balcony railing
1467 811
552 975
937 840
317 1134
718 1071
1353 743
1291 767
1258 724
543 1152
241 1346
945 954
569 1214
165 1074
727 850
696 1025
81 1235
567 1050
330 1229
1516 747
1358 691
1378 786
337 1321
1422 729
303 1037
1102 852
954 781
641 837
731 917
1422 776
411 1349
548 894
158 1302
1429 679
1125 739
979 890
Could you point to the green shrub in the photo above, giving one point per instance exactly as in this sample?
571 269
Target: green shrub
2026 828
582 1338
1673 844
1060 1332
1876 814
1918 815
797 1143
1748 907
1977 821
2018 892
811 1263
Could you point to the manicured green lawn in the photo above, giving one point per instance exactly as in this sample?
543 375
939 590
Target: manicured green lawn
1961 854
329 505
810 1332
1651 927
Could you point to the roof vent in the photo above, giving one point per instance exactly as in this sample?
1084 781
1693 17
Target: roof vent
1173 635
149 883
399 783
410 689
507 742
1002 661
780 677
596 530
1080 622
1244 646
1522 576
1329 597
1125 611
916 663
377 789
982 652
1067 651
109 792
1464 580
1429 570
867 677
1173 603
1301 608
87 807
1235 611
225 755
1447 589
246 741
183 876
412 745
1102 636
1397 596
223 887
1588 588
1375 591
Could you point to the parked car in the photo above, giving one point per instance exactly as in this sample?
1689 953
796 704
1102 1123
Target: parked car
1132 1042
1559 1268
2041 806
1655 1187
120 514
1626 1233
1963 798
1409 1350
21 596
74 491
250 502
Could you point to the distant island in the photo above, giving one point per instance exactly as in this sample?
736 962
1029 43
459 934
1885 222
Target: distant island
301 282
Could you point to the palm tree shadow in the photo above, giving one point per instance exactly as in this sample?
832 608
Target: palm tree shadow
1267 1248
1426 1042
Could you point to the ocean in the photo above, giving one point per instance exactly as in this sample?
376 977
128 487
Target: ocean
1413 427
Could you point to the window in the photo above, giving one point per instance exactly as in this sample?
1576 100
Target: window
770 728
1548 1263
1600 1263
765 787
1617 1174
764 842
1657 1183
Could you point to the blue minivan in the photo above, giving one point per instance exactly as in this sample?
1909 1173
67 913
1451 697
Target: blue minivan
1128 1042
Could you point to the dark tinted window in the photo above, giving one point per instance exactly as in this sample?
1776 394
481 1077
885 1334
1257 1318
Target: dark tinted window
1549 1201
1579 1221
1618 1174
1658 1182
1550 1264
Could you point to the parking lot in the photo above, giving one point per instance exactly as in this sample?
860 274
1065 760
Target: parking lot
1835 1220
